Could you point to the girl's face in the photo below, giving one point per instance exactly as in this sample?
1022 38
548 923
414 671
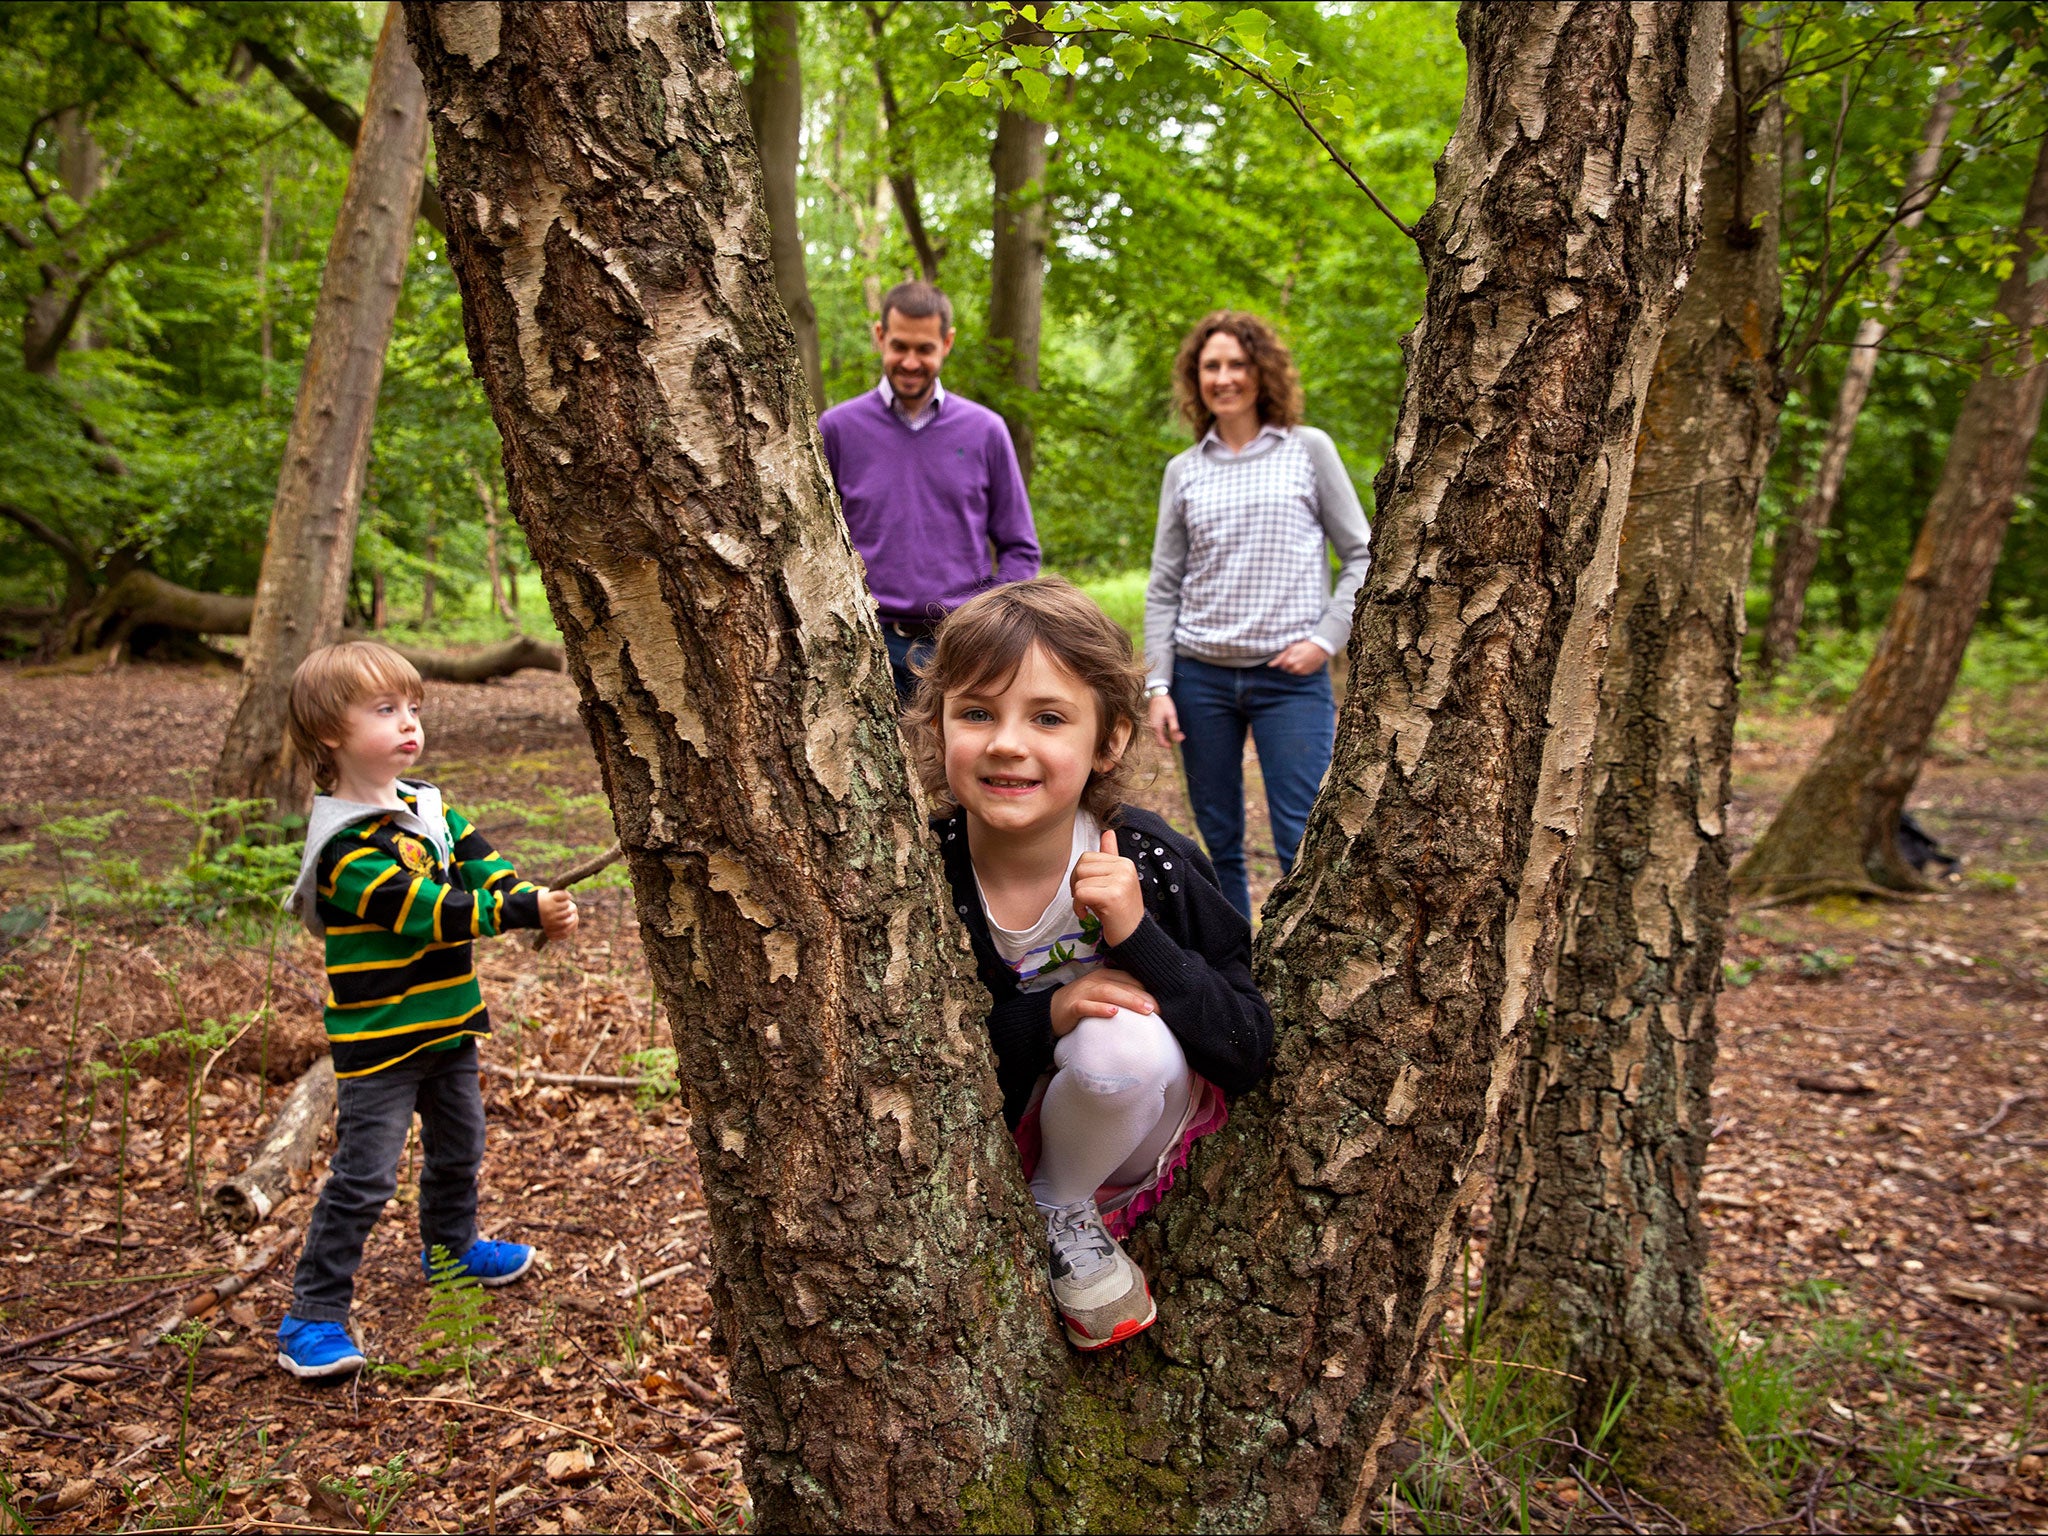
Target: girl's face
1018 760
1228 376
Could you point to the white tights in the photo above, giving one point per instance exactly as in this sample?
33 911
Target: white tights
1119 1090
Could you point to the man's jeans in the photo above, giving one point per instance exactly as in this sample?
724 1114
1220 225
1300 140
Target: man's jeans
372 1116
903 651
1292 719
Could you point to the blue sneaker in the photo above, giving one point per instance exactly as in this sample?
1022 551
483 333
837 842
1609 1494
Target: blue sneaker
491 1263
316 1351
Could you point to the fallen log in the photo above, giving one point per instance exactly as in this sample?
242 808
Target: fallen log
286 1149
144 600
1993 1296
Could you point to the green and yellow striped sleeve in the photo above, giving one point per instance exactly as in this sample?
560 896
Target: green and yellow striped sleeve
480 866
368 884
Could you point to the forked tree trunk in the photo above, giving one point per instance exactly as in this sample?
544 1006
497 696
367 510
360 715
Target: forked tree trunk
880 1271
1797 550
302 591
1838 830
1017 266
1599 1252
775 106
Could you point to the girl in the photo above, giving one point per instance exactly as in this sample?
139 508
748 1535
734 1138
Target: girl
1124 1008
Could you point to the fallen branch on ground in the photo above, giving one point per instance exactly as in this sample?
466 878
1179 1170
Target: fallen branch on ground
98 1319
286 1149
2011 1102
199 1303
594 1082
1993 1296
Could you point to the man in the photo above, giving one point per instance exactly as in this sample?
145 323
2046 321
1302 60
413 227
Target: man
929 482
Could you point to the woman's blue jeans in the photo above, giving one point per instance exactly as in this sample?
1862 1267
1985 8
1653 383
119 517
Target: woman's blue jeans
1293 721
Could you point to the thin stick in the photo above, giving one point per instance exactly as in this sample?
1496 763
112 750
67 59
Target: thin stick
647 1283
1515 1365
76 1237
2012 1102
111 1315
595 1081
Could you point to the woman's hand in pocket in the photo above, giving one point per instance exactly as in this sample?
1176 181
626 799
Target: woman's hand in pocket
1304 658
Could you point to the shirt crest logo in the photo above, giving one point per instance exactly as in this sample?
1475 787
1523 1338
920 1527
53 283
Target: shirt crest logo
412 853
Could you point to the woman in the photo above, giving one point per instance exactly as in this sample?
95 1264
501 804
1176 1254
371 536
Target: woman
1240 617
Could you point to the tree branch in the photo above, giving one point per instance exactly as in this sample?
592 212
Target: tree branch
65 546
334 114
902 179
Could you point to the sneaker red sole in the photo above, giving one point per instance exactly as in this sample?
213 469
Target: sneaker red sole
1129 1328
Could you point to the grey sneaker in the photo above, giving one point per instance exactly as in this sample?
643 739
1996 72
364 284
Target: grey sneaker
1102 1296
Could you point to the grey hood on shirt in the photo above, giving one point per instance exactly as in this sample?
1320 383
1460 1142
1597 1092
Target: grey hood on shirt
332 816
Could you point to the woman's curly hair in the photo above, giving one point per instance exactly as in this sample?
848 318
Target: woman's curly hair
1279 384
983 642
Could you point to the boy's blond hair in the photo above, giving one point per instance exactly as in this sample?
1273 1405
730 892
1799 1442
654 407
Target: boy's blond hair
983 642
332 679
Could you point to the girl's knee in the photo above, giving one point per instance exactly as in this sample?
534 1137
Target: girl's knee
1127 1053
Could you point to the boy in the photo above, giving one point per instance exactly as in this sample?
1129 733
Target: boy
397 885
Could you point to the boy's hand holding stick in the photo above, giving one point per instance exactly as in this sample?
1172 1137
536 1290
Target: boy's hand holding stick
558 907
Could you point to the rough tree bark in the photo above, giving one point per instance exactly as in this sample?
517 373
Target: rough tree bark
1797 551
880 1283
1838 830
775 107
1599 1252
1017 266
303 588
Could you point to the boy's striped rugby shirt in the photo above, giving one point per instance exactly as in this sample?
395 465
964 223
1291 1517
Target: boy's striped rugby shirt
400 975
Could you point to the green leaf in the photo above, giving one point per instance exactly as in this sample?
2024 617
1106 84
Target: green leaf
1037 89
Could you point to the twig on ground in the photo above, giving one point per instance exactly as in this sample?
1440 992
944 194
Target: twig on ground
1594 1494
2011 1102
647 1283
76 1237
29 1410
202 1302
595 1082
1513 1365
45 1181
111 1315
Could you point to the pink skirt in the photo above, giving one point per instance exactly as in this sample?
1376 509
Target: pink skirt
1122 1205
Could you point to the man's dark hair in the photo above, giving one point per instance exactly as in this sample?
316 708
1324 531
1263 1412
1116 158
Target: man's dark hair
915 300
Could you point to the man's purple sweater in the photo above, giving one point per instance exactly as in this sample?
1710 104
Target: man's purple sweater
924 507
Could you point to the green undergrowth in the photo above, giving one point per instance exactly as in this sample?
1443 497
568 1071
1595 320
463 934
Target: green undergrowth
1832 1410
2006 658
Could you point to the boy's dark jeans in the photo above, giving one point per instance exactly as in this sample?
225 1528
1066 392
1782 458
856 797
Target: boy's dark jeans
372 1115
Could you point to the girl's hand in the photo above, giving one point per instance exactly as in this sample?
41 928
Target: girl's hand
1098 995
557 914
1106 886
1302 658
1164 720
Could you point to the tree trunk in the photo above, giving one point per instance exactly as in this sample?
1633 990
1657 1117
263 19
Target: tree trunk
333 114
1797 551
1838 830
1599 1253
1017 269
775 107
379 613
494 563
264 345
896 146
880 1272
431 549
304 583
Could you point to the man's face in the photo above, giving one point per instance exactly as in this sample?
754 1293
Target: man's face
913 351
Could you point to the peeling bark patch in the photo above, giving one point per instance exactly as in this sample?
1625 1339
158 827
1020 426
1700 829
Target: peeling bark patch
470 28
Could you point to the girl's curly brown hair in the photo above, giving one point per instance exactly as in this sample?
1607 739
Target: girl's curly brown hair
983 642
1279 384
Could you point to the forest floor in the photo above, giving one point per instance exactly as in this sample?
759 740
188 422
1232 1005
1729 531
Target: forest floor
1875 1187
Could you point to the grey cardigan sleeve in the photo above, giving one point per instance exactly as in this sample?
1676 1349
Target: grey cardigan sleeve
1349 534
1169 567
